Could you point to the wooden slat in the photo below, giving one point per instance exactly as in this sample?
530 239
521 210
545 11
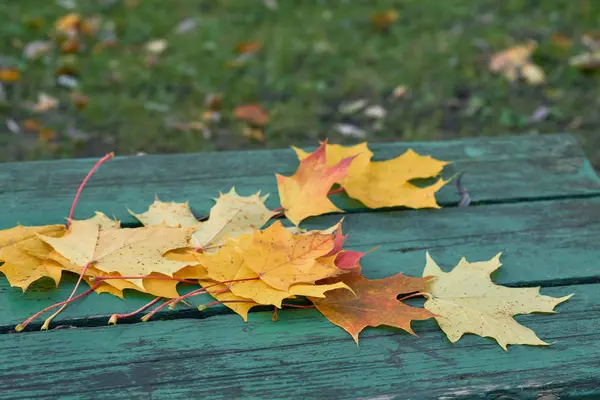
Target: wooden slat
497 169
304 356
543 243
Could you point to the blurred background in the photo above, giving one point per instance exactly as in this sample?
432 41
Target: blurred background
81 78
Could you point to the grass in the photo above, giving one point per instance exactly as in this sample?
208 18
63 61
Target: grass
315 57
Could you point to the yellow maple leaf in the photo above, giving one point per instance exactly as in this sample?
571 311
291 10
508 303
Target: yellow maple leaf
386 183
222 292
9 237
128 252
22 269
167 213
104 222
465 300
304 194
231 216
282 259
23 254
155 287
228 265
291 259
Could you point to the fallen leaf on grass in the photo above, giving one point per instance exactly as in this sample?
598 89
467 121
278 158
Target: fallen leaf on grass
32 125
252 114
516 62
253 133
46 134
399 91
352 107
79 100
587 61
68 24
36 49
375 112
45 103
465 300
382 21
248 47
561 40
186 26
244 50
350 131
9 75
156 47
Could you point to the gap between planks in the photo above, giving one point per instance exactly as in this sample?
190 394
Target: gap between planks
192 313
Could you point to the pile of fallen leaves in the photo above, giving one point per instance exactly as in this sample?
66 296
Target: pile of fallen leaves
241 260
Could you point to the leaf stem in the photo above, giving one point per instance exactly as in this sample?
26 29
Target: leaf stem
23 324
418 294
203 307
196 292
113 319
297 305
166 278
335 191
50 318
88 176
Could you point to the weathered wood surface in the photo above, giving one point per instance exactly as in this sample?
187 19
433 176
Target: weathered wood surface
543 243
496 169
537 201
304 356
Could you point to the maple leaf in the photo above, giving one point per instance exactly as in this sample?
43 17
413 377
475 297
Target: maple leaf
231 216
386 183
373 303
9 237
167 213
129 252
272 265
23 254
22 269
282 259
228 265
113 287
222 292
304 194
465 300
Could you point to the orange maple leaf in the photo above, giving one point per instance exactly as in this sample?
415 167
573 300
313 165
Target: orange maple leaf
304 194
375 303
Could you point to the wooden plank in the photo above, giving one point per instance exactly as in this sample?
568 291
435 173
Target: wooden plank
497 169
304 356
543 243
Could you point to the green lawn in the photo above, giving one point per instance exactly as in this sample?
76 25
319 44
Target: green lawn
316 56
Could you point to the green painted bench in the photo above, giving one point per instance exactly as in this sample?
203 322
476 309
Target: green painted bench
535 198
